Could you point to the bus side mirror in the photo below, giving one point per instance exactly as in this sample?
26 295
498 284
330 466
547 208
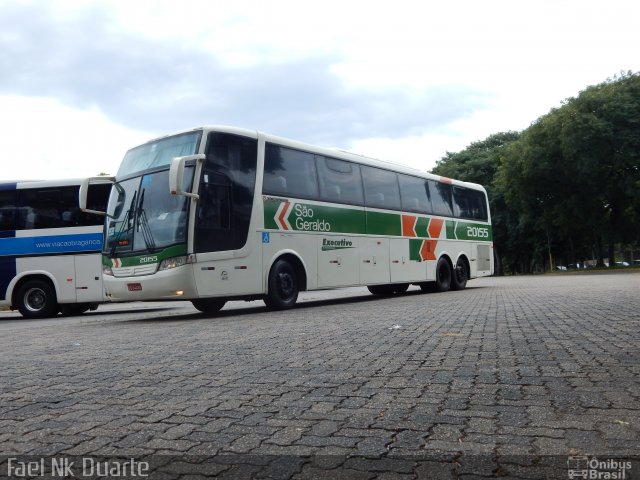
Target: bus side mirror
176 175
83 193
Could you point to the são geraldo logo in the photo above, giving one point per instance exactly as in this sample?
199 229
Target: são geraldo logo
304 218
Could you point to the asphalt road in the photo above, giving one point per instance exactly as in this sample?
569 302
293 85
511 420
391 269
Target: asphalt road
524 377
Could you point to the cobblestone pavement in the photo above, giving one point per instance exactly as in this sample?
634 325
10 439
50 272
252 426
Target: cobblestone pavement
513 378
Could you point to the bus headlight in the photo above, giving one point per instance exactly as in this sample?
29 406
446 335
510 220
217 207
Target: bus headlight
173 262
106 270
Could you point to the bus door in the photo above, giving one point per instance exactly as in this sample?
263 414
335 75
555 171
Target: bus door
222 242
219 272
89 278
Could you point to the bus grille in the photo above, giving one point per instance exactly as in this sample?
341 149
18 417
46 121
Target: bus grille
135 271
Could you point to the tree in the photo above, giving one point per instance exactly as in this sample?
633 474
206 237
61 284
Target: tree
574 173
601 137
566 186
479 163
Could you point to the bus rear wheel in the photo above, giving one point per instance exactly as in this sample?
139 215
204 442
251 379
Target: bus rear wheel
37 299
443 275
283 286
208 305
460 275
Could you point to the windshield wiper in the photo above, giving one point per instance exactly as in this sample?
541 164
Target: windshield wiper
125 223
143 223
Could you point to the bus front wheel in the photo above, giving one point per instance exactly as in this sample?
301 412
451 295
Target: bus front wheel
208 305
283 287
37 299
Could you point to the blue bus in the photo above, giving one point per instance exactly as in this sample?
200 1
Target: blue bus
50 251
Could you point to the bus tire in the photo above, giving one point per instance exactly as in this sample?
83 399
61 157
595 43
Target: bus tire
460 275
443 275
283 286
209 305
37 299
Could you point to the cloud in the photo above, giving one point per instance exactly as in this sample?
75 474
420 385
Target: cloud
86 60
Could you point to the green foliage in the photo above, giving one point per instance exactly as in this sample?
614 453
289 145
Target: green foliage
479 163
570 182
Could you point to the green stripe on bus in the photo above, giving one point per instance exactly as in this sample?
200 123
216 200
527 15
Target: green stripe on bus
270 209
414 249
307 217
379 223
450 225
422 225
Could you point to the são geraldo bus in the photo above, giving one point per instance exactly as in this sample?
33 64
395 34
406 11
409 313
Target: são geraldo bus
219 213
49 250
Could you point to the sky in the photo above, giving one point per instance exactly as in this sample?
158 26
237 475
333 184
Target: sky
81 82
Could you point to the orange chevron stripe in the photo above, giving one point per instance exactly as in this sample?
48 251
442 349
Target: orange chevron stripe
428 250
435 227
409 226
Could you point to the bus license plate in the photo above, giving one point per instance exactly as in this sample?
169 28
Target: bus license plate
134 287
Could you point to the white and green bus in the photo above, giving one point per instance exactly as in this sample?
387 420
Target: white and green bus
220 213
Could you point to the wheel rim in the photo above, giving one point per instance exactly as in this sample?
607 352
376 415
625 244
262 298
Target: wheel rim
285 285
35 299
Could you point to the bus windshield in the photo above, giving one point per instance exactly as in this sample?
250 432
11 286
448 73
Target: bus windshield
144 216
158 153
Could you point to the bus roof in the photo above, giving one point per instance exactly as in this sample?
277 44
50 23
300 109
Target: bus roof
19 184
330 152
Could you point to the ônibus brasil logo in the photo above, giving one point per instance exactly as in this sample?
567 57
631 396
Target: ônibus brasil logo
581 466
304 219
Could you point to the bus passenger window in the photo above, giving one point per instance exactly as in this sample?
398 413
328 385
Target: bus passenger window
469 203
289 172
440 194
414 193
7 210
339 180
44 208
381 188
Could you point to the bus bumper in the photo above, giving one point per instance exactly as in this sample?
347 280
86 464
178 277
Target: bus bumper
174 284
